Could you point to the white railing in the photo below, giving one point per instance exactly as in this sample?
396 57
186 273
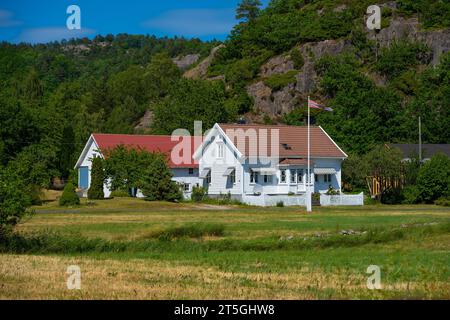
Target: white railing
342 200
266 200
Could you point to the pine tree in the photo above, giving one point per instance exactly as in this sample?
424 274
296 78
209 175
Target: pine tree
97 179
156 183
248 10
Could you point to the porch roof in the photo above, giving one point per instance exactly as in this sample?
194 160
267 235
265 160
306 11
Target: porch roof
295 162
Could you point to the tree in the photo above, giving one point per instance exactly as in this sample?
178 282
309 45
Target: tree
69 197
97 179
248 10
354 173
160 75
124 166
156 183
188 101
14 200
433 181
385 165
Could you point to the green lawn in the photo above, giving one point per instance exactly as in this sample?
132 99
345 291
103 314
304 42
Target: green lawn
276 253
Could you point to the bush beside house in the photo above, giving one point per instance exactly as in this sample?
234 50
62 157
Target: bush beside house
69 196
95 192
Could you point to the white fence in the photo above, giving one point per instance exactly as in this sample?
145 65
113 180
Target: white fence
342 200
270 201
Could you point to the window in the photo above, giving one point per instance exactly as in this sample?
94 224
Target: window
186 187
267 179
233 177
221 149
293 175
253 177
299 175
191 171
283 176
316 178
327 178
208 178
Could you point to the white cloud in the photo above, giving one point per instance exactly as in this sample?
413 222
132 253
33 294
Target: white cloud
194 22
48 34
7 20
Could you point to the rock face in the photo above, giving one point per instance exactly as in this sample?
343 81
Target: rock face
186 61
400 28
276 103
200 71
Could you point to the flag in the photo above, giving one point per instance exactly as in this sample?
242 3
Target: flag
315 105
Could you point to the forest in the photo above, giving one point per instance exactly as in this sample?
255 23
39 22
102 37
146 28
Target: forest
54 95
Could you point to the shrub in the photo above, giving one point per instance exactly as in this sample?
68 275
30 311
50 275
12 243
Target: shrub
120 193
445 202
280 204
297 59
392 196
69 196
410 194
198 194
97 179
279 81
433 181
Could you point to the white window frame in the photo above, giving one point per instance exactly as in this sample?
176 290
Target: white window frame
188 185
253 177
233 177
300 173
190 171
267 179
293 176
283 176
327 178
220 150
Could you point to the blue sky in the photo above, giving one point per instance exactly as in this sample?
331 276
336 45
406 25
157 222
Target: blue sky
38 21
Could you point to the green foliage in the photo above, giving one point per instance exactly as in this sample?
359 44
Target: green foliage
14 200
156 182
69 197
189 101
280 204
297 59
95 191
401 56
433 181
410 194
125 167
445 202
248 10
198 194
354 173
279 81
432 13
120 194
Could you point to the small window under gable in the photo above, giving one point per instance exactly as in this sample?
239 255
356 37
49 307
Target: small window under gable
221 150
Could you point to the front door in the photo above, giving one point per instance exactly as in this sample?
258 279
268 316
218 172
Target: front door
83 178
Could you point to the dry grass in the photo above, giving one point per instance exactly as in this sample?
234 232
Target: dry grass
42 277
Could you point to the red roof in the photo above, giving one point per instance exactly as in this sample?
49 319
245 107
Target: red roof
150 143
295 162
293 141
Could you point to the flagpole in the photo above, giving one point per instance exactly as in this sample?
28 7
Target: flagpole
308 178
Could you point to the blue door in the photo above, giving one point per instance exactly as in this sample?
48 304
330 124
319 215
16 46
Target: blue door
83 177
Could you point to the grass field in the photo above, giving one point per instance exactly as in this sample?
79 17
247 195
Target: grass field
132 249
